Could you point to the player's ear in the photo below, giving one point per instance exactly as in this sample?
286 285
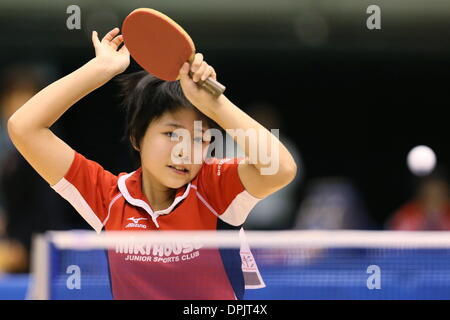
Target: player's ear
134 144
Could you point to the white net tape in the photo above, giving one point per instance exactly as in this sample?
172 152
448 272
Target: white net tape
258 239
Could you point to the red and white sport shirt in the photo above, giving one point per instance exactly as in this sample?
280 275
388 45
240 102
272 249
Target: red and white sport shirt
213 200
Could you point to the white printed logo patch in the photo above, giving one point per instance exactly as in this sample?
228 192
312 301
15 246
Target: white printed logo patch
135 223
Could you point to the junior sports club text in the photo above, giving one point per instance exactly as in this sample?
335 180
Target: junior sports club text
163 253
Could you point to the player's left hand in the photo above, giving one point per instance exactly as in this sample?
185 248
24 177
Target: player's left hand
198 96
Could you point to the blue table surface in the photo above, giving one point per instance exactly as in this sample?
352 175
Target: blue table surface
13 286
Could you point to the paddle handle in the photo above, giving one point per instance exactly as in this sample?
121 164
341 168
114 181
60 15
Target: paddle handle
212 86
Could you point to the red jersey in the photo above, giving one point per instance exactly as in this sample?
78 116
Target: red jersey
213 200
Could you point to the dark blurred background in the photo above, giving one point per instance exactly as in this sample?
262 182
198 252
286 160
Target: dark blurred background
352 101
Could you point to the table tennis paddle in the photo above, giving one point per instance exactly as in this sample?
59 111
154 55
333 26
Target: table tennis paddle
160 46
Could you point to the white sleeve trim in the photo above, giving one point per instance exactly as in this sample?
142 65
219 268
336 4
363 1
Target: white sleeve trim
69 192
110 205
204 201
240 207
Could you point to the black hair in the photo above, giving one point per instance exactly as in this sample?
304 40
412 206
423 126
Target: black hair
145 98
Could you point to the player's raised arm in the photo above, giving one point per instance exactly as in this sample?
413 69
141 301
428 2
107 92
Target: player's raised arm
260 179
29 126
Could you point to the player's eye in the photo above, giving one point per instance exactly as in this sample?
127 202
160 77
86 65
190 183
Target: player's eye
171 134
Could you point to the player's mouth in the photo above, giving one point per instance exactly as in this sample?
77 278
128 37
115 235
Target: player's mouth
179 169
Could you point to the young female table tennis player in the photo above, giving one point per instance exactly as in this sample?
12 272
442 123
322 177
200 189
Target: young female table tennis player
161 194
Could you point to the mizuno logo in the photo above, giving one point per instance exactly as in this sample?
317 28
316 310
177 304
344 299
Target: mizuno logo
136 220
135 223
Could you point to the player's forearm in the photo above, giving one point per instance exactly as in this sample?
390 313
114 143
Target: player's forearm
258 140
48 105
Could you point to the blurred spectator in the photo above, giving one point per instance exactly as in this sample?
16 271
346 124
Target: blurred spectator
428 210
277 210
29 205
13 256
332 203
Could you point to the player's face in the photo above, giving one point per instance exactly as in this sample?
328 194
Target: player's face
164 147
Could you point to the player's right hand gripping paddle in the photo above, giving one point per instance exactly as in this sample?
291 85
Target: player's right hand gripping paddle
160 46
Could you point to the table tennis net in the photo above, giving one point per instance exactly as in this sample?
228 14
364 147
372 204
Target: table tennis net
257 265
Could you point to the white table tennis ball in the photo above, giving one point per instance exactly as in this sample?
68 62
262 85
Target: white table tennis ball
421 160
